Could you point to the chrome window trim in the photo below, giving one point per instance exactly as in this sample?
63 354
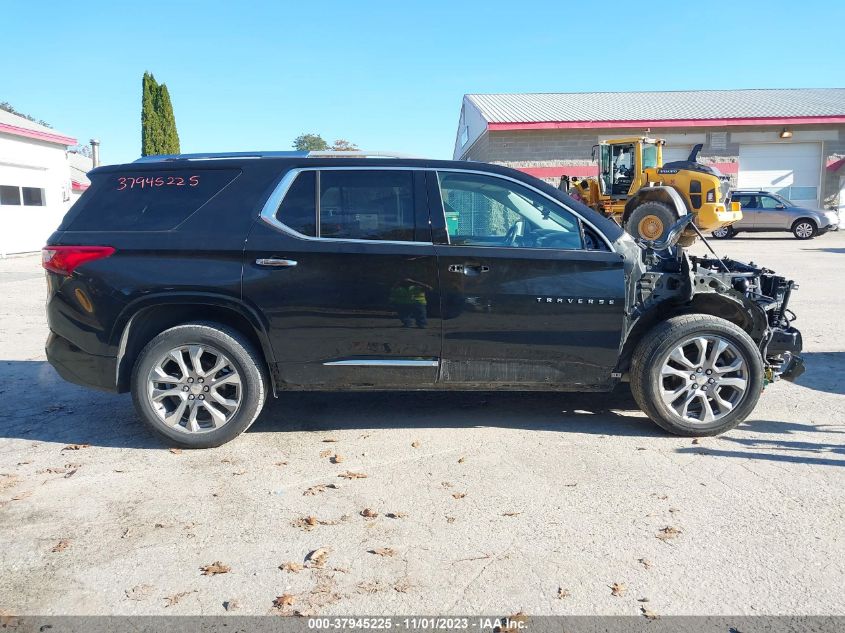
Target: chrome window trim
268 212
382 362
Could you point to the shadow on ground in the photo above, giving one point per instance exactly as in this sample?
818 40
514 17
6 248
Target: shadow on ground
838 251
824 371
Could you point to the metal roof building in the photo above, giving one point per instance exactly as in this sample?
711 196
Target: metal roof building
786 140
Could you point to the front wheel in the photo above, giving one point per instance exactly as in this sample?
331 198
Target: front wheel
804 229
199 384
697 375
651 220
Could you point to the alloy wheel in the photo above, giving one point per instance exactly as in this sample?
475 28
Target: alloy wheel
804 230
194 388
703 379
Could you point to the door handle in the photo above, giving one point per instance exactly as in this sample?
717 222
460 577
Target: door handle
274 262
469 269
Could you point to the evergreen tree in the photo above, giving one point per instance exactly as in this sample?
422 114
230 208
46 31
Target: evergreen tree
158 124
150 136
170 137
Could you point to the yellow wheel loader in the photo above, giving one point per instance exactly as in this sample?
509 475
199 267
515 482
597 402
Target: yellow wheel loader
646 197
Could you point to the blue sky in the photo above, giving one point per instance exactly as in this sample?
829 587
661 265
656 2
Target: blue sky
385 75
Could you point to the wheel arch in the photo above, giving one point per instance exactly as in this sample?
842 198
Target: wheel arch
803 218
661 193
144 319
709 303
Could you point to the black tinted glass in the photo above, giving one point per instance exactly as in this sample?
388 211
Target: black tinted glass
367 204
298 210
145 201
10 195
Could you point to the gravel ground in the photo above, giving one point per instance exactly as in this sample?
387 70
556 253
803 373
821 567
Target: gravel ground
486 502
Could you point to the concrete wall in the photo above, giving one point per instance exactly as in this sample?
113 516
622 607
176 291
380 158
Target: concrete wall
26 162
569 150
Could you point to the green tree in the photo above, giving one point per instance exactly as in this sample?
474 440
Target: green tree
310 142
8 107
158 124
342 145
167 120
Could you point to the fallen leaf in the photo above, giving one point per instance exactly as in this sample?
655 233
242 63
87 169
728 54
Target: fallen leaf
416 444
325 453
23 495
280 464
232 605
462 460
29 461
239 472
618 589
643 600
510 514
645 562
336 459
125 533
350 475
369 513
459 495
61 545
696 441
215 568
75 447
314 490
176 597
330 439
382 551
71 473
562 593
291 567
371 586
674 510
285 600
396 515
445 484
175 451
403 586
317 558
668 533
450 519
139 592
651 615
306 522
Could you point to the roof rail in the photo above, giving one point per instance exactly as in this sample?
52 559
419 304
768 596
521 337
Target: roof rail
157 158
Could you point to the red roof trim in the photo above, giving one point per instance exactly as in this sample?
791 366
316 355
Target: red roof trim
554 125
593 170
78 186
835 164
50 137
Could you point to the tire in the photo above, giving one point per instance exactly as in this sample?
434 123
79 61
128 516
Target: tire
651 220
804 229
216 402
654 373
724 233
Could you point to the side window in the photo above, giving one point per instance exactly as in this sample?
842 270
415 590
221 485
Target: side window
367 204
298 209
767 202
488 211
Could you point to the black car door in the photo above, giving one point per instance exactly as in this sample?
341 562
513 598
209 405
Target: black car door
344 272
523 301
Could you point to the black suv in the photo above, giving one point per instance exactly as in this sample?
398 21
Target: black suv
203 283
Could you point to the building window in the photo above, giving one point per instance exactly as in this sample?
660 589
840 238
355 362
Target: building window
10 195
465 135
33 197
17 196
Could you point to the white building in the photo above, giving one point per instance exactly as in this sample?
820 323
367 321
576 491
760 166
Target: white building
36 182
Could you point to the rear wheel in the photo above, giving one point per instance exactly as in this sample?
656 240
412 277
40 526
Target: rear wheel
724 233
199 384
697 375
651 220
804 229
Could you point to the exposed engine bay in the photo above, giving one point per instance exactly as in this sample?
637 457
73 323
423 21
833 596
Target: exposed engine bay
753 297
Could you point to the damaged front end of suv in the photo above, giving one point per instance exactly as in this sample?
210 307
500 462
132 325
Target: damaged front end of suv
667 282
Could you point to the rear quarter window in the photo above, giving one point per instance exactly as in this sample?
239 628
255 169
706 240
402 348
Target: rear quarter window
145 201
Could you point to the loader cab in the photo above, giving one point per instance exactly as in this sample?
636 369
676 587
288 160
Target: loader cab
622 164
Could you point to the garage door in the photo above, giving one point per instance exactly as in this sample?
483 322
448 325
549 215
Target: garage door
792 170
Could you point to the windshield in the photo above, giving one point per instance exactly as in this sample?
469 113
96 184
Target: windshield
649 155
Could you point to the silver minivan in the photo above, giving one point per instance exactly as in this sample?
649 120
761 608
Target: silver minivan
765 211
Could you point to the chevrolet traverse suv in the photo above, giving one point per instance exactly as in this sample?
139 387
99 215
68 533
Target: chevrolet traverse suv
205 284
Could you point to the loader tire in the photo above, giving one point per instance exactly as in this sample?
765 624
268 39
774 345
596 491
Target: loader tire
651 220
